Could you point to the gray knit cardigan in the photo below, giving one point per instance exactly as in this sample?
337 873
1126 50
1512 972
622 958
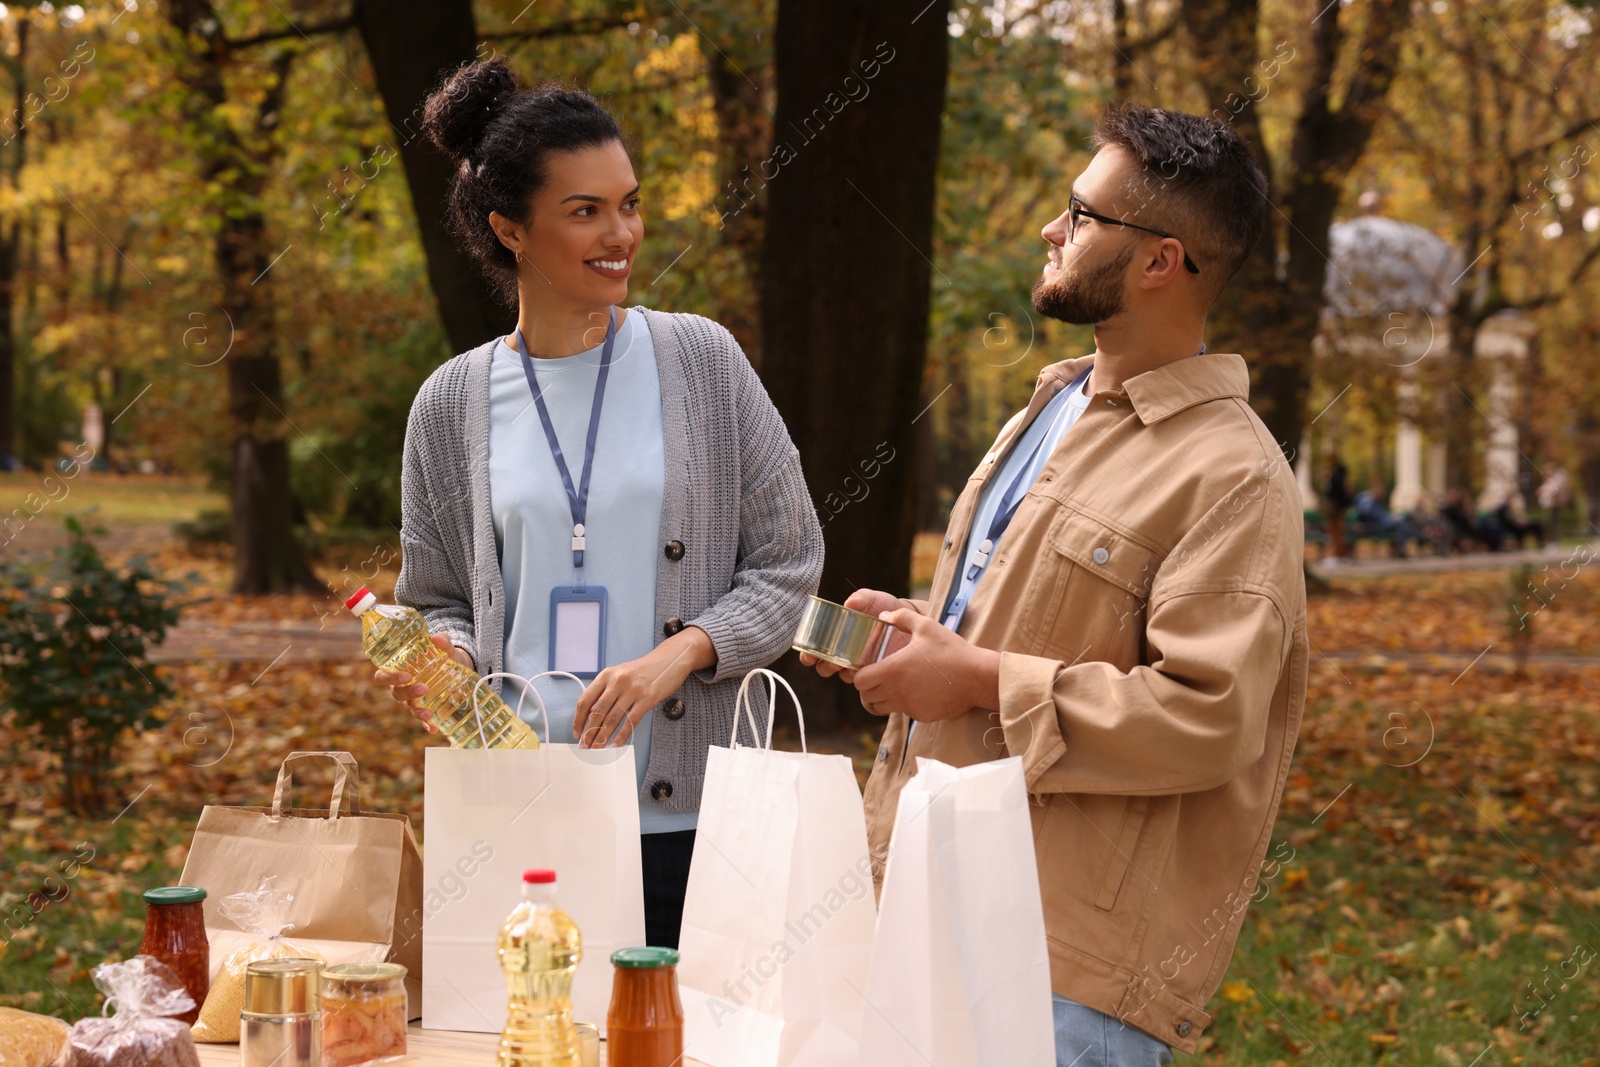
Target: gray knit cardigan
735 501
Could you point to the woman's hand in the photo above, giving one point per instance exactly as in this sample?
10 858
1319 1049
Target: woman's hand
873 602
401 689
620 696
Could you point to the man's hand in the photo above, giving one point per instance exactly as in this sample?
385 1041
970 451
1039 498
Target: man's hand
401 689
936 675
619 696
873 602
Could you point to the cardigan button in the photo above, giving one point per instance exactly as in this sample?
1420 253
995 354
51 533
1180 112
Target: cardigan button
673 709
672 626
674 550
661 790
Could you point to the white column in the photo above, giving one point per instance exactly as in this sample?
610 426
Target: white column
1302 474
1503 342
1407 467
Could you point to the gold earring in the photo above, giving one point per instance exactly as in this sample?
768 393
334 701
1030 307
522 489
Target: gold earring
519 257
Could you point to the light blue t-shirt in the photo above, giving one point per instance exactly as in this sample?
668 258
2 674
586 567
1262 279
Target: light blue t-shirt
1026 458
533 519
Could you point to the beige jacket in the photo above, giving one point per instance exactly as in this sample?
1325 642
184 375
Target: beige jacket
1149 602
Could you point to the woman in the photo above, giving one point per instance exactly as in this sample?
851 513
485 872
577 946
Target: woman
596 448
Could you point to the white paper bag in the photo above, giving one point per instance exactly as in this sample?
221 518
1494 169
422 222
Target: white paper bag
488 815
960 972
777 924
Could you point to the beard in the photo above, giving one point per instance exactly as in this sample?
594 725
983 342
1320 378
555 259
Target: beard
1084 297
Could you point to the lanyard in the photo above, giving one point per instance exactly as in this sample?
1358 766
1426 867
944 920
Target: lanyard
577 499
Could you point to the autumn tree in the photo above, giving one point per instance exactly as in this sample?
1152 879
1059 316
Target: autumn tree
237 158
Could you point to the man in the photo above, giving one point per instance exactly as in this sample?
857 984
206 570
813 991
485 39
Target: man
1120 602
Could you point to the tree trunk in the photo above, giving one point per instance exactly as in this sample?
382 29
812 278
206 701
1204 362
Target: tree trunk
8 254
845 274
413 45
268 558
1270 316
736 68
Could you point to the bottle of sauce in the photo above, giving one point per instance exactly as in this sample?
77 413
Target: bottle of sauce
175 934
644 1026
539 948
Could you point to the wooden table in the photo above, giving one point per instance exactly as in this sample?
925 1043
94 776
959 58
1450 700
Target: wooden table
447 1046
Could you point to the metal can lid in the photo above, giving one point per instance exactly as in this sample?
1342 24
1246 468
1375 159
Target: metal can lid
648 956
174 894
363 972
278 987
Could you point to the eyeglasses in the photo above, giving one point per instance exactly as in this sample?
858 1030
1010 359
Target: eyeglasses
1077 210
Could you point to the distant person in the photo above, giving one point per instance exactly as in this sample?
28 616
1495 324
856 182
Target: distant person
1554 496
1396 529
597 446
1512 517
1467 531
1338 499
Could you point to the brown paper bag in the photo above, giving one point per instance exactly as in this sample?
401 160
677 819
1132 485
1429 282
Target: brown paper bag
356 875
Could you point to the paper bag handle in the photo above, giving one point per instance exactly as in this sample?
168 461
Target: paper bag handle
527 687
347 772
742 703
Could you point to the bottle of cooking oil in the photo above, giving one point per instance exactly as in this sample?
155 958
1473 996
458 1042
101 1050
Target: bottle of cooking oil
539 948
396 639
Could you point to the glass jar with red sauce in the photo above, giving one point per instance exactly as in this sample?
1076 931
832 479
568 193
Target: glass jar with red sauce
644 1027
175 934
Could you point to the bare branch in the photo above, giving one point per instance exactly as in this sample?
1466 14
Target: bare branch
338 25
575 28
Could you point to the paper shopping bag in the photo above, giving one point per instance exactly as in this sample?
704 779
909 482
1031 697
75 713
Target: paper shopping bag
960 972
492 813
778 915
355 876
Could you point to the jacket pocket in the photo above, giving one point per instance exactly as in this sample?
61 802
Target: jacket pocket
1126 839
1105 551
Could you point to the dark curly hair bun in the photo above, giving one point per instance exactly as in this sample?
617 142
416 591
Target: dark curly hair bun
459 111
502 135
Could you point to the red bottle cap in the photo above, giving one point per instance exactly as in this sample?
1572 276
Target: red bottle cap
353 601
540 876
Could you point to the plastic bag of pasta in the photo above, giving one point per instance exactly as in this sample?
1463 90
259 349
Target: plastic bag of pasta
142 995
29 1040
263 913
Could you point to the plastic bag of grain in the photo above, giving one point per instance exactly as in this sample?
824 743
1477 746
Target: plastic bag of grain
264 914
29 1040
143 994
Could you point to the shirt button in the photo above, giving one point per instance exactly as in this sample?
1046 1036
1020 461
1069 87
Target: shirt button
883 753
673 709
672 626
1101 555
1184 1028
661 790
674 550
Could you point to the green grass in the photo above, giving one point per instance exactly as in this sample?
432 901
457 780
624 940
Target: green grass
129 499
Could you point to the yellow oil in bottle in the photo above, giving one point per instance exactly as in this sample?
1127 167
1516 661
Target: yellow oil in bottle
396 639
539 948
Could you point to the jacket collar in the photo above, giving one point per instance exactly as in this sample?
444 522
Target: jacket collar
1161 393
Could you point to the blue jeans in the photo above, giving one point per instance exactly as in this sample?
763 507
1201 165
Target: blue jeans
1088 1038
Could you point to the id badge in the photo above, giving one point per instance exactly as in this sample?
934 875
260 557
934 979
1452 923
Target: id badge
578 630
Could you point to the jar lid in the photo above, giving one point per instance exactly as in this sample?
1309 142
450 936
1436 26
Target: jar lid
649 956
282 987
363 972
175 894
